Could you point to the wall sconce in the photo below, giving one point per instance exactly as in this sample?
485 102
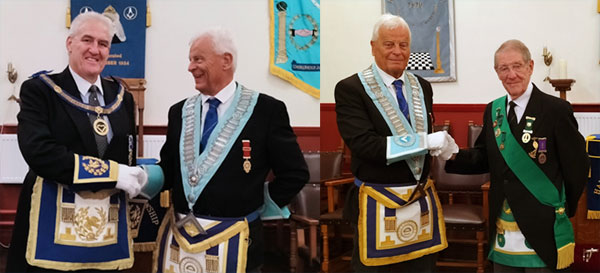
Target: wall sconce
12 78
12 73
547 60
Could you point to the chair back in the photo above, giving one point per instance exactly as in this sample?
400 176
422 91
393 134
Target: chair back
473 133
442 127
455 182
331 164
307 201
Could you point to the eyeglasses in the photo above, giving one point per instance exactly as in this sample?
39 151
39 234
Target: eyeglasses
505 69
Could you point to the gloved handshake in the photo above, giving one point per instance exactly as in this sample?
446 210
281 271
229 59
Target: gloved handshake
131 180
441 144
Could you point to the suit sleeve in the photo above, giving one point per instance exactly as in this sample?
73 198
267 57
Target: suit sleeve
285 158
355 127
169 152
473 160
573 160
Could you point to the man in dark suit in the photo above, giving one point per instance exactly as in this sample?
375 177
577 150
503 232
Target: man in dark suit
538 166
79 144
376 109
221 144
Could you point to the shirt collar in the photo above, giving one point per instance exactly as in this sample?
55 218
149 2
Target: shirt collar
522 100
223 95
84 85
387 79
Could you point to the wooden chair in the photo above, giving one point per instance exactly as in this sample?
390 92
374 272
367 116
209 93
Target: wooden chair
473 133
335 183
442 127
465 210
305 210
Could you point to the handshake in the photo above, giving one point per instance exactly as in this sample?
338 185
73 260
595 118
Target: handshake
131 180
441 144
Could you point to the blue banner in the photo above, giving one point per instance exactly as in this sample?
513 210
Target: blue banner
128 51
295 43
432 49
593 185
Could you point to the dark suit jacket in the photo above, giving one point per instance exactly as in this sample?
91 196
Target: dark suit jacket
50 131
567 164
364 130
232 192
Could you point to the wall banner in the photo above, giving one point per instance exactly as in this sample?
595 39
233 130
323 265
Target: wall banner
127 57
296 43
432 49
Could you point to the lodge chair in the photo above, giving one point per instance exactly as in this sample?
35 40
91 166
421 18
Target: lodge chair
442 127
465 209
336 183
305 209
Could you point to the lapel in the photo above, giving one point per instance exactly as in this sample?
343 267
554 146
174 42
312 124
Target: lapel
80 118
118 119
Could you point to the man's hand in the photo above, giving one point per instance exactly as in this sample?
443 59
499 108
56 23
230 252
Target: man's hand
131 180
437 140
450 150
441 144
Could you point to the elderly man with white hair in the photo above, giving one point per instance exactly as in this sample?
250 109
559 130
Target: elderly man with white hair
221 144
384 114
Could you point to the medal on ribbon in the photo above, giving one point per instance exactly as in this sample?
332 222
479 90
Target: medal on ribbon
533 153
503 139
528 129
542 150
246 155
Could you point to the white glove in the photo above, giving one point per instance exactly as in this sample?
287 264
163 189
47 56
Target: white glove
131 180
437 140
450 149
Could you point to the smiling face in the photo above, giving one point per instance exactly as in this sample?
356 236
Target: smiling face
88 49
392 50
513 71
211 71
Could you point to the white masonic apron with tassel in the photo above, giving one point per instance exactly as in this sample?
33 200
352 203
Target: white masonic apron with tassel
206 244
397 222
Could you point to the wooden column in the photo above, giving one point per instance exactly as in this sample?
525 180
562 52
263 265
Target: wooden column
137 87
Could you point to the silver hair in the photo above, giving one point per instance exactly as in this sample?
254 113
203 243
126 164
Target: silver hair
389 21
85 17
222 42
516 45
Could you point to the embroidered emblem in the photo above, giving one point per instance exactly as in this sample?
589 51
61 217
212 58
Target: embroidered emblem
294 31
136 211
405 141
89 228
212 263
407 231
189 264
94 166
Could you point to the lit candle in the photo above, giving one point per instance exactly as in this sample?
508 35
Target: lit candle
562 69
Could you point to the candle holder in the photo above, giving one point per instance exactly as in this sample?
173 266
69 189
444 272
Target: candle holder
562 86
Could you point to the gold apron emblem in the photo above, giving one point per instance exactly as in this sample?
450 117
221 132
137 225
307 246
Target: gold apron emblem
407 231
89 228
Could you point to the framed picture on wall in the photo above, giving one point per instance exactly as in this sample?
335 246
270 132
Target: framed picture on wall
432 49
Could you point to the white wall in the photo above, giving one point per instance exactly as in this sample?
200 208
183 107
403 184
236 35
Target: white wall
570 29
33 33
